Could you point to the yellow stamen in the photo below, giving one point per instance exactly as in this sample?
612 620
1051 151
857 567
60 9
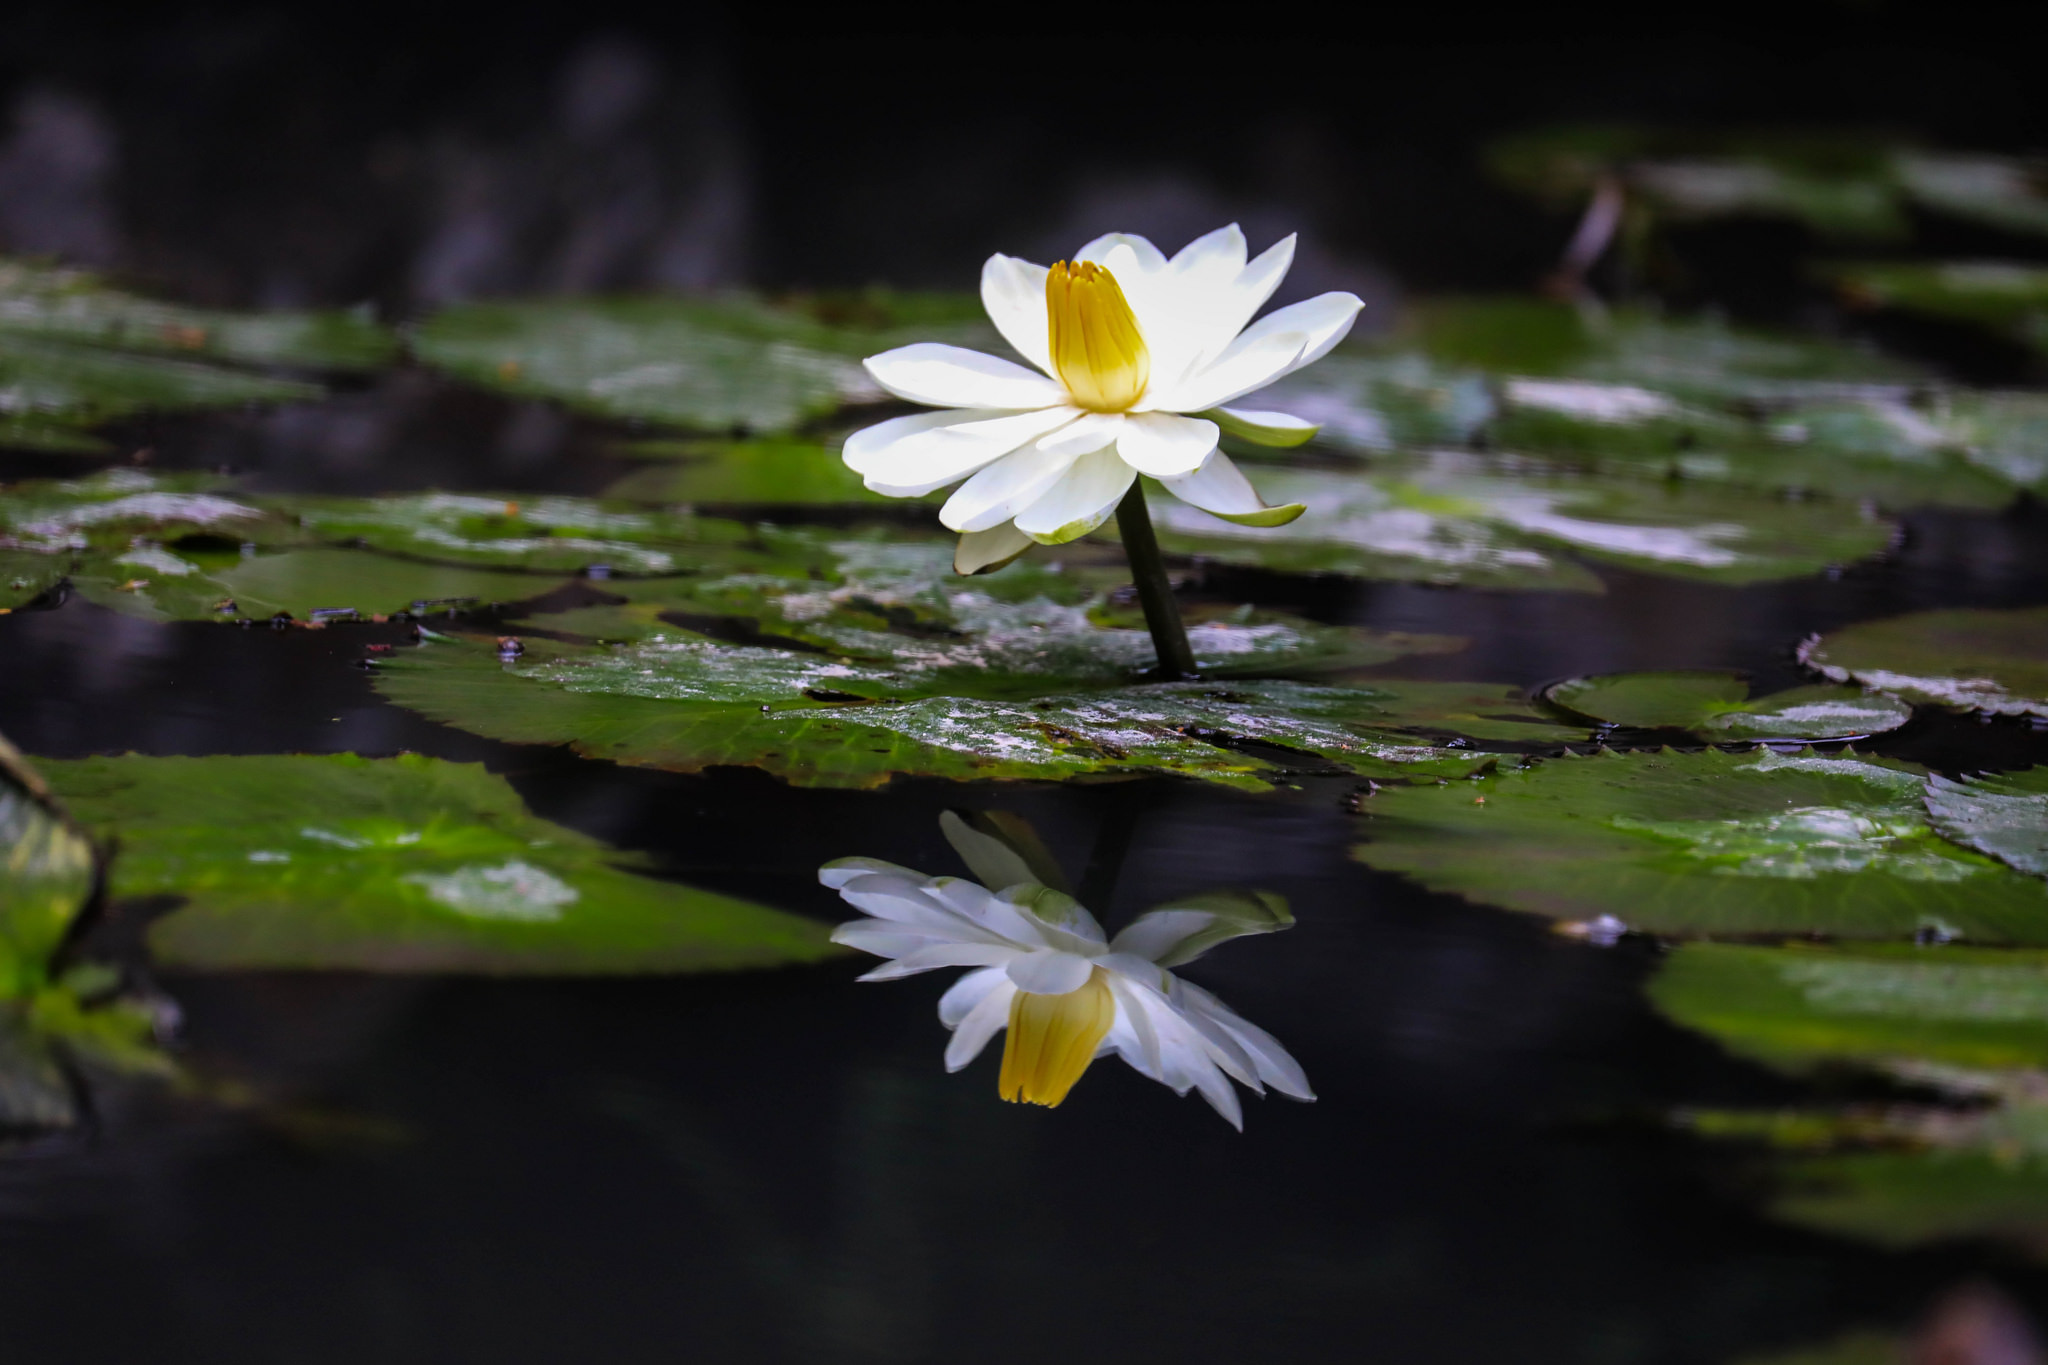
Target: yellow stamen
1052 1040
1097 349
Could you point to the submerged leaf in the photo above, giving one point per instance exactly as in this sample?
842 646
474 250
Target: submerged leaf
404 864
1983 660
1706 843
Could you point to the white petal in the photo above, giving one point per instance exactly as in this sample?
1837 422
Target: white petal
1048 972
987 857
1256 283
883 938
1013 291
969 991
1132 1035
1165 444
1280 429
1081 501
1245 365
914 904
980 1024
991 912
1186 1059
1222 252
1146 258
1276 1066
1220 487
1064 921
944 376
943 955
1154 935
987 551
999 491
946 452
840 871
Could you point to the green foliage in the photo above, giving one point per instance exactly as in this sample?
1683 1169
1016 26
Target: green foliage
709 364
1983 660
405 864
2004 296
1716 705
1488 522
2005 816
768 473
1706 844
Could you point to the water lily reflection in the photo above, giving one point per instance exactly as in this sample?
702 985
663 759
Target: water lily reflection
1065 991
1141 363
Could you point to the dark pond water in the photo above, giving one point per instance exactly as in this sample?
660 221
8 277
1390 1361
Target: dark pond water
774 1166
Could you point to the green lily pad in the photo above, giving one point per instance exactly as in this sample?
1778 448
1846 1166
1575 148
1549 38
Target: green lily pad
404 864
1480 522
708 364
2005 296
1905 1198
1985 660
556 534
2004 434
46 875
2005 816
684 703
774 473
2003 192
1706 844
1716 705
1801 1004
70 305
64 383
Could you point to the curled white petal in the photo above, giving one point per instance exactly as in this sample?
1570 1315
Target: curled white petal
912 461
1220 488
1146 258
939 955
1049 972
944 376
986 551
981 1023
970 990
1245 366
997 492
1081 501
1276 1066
1154 935
1165 444
1013 292
1279 429
840 871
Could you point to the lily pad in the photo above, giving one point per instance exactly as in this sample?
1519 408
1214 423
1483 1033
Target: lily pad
1801 1004
46 875
2006 296
1716 706
1983 660
1485 522
404 864
2005 816
708 364
773 473
966 709
70 305
1706 844
63 383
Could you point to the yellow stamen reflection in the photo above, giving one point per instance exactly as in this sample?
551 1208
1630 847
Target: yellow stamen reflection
1097 349
1052 1039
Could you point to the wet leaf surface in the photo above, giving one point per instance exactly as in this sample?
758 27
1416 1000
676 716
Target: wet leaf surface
1706 844
1986 660
1716 705
2004 815
708 364
405 864
1486 522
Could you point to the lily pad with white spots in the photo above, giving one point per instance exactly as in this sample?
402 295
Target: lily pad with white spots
1482 522
1717 706
686 703
405 864
1970 660
2003 814
713 365
1707 844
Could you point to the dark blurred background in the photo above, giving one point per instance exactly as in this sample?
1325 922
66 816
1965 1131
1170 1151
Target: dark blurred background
408 156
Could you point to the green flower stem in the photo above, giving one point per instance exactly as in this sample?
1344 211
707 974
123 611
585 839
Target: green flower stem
1162 613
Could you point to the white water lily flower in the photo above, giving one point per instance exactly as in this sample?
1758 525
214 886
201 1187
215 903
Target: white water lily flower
1142 362
1045 971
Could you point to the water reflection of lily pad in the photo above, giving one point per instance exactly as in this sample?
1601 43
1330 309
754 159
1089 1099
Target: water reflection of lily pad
403 864
1800 1004
709 364
1988 660
1490 523
686 703
1706 843
1717 706
2004 815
